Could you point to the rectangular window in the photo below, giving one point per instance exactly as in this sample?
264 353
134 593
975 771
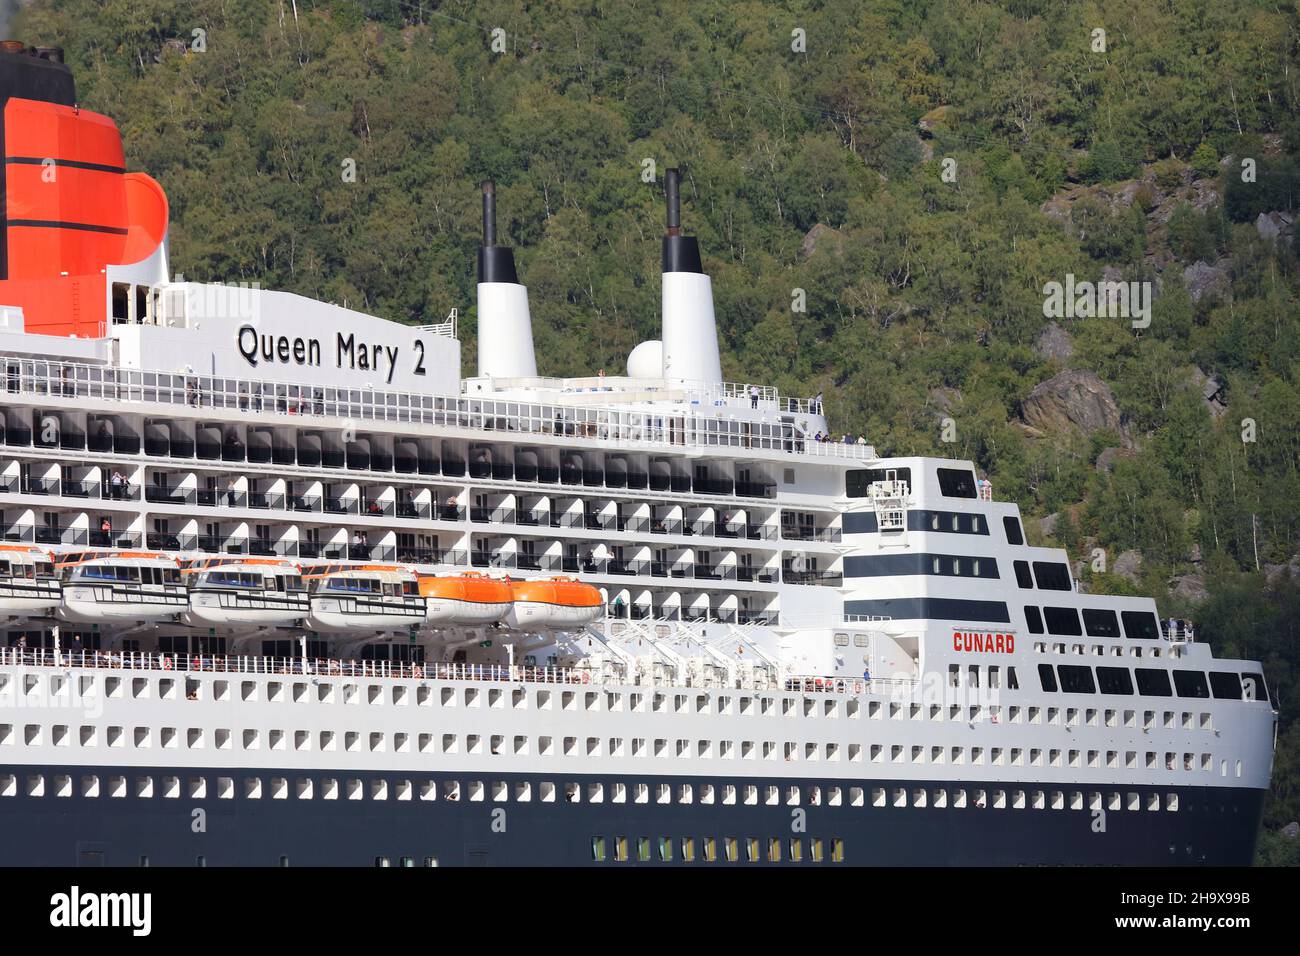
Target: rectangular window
1023 577
1034 620
1100 622
1191 684
858 483
1047 677
957 483
1114 680
1226 685
1254 686
598 849
688 850
1153 682
1063 621
1052 575
1076 679
1140 625
1011 525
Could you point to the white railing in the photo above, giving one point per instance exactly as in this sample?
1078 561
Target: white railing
191 664
671 427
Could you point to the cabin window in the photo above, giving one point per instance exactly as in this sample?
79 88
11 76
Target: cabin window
1011 525
1140 625
1052 575
1100 622
1034 620
1114 680
957 483
1023 577
1153 682
1191 684
1076 679
1047 677
1063 621
1225 685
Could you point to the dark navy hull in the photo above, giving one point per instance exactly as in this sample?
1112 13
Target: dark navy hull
1213 826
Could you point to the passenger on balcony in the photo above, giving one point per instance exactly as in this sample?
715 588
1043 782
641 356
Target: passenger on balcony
117 485
106 530
753 396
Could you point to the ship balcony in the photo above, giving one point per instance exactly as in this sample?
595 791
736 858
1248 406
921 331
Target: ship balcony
341 505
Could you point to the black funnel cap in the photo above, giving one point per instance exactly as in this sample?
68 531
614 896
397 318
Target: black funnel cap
680 253
495 263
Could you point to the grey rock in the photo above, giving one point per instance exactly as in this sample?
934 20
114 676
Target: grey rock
1048 525
1190 587
1273 226
1054 343
1071 399
1291 830
1202 279
1127 565
815 235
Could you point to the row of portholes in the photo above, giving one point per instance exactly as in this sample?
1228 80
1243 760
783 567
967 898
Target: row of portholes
306 788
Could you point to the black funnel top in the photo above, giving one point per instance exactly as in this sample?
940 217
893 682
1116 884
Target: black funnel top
495 263
680 253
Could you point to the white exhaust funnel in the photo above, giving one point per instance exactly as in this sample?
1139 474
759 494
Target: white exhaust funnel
505 326
690 331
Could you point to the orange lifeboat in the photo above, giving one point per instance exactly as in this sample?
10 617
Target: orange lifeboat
468 598
553 603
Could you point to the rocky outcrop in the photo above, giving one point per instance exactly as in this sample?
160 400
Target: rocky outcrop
1275 227
1213 391
1127 565
1048 525
1202 279
1190 587
817 234
1054 343
1073 399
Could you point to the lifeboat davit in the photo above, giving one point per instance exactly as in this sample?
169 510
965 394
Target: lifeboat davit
268 593
124 586
465 599
545 604
364 598
28 585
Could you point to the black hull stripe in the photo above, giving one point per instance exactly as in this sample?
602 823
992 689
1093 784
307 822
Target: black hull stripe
53 224
64 163
1214 826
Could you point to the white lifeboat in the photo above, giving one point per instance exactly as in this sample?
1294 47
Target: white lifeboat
364 597
126 585
465 599
28 584
252 591
544 604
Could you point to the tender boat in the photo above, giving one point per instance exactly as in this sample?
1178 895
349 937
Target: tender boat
29 586
545 604
249 591
368 597
126 585
465 599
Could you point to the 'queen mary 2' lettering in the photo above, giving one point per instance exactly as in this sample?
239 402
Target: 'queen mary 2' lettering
982 642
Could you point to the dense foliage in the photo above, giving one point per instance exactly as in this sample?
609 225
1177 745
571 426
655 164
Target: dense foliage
923 294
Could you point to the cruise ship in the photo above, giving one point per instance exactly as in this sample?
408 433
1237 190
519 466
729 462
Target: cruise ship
280 587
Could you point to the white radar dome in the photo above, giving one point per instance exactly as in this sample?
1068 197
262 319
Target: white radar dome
646 360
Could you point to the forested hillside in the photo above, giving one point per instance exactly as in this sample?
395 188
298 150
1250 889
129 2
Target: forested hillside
920 168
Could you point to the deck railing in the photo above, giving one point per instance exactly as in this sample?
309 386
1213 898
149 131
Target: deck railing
672 426
191 664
